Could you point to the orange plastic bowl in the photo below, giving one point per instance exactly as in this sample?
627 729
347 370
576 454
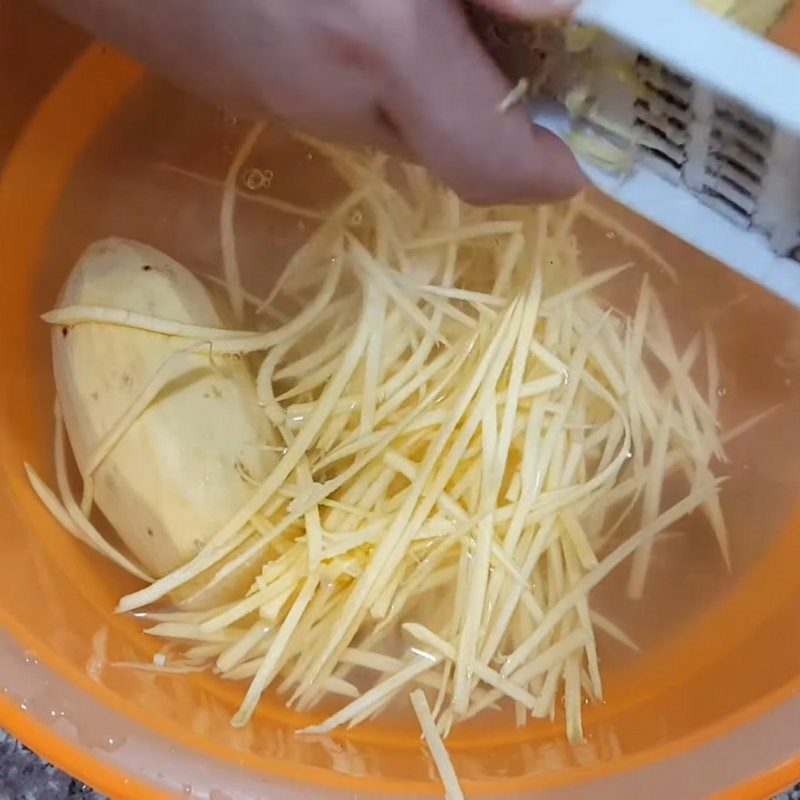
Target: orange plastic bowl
90 146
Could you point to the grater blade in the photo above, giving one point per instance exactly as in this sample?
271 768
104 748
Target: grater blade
715 115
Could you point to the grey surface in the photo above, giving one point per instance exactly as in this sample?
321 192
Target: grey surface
23 776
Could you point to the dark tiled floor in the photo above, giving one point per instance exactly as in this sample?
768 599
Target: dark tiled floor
23 776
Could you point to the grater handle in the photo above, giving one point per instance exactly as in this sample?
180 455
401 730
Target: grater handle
718 53
676 209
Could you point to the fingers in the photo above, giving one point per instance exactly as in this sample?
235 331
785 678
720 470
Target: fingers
354 118
530 9
443 95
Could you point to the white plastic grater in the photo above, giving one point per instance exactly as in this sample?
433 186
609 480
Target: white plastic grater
717 114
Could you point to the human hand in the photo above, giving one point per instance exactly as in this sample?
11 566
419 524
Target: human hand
407 76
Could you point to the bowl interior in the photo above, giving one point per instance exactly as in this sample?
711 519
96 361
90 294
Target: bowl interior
114 152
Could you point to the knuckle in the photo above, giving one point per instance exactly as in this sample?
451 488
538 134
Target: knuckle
486 190
479 197
475 184
471 191
356 34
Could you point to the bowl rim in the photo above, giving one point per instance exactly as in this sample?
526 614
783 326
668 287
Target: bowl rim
79 761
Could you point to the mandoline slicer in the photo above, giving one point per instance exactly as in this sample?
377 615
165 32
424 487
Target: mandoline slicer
716 114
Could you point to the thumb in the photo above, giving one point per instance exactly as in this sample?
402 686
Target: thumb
444 92
530 9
